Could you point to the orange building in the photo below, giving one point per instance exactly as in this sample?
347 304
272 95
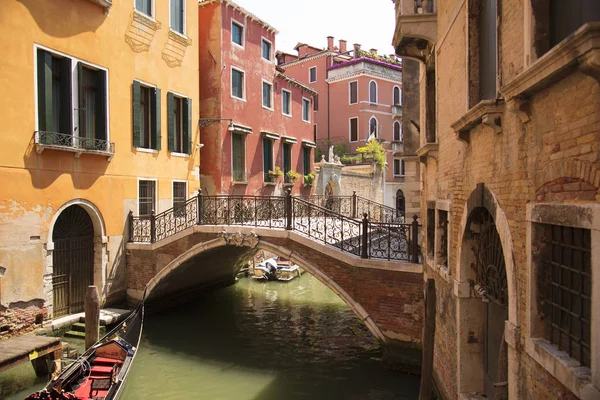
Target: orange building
98 105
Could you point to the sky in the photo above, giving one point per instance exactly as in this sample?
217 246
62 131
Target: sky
369 23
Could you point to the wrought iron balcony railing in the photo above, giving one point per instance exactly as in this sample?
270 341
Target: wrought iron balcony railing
75 144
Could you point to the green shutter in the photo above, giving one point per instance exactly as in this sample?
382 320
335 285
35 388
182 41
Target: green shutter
186 146
44 76
287 157
156 128
101 105
66 107
136 94
171 120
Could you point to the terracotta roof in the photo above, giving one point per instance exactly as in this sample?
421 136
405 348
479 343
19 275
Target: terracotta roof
253 17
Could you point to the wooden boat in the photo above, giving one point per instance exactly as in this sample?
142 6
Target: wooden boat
277 269
101 371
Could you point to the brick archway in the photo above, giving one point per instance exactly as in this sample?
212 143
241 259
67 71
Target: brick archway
253 241
578 171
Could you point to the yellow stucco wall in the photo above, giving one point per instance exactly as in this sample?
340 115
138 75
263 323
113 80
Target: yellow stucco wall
33 186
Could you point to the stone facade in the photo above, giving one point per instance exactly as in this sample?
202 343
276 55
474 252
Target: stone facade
511 165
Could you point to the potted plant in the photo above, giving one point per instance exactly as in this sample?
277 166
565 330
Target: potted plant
309 179
274 174
291 176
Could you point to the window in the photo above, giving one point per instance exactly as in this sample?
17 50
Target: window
353 88
396 95
400 203
312 74
315 133
286 102
305 110
178 16
179 114
266 49
373 92
238 155
146 197
567 16
398 167
267 95
354 129
287 161
267 158
430 230
146 116
306 160
487 50
57 99
372 128
144 6
179 198
397 131
237 84
237 33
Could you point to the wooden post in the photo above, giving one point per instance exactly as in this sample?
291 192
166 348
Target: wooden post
428 342
92 316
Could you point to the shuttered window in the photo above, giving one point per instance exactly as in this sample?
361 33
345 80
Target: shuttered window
55 113
177 16
353 92
238 153
306 160
146 116
92 104
353 129
267 145
179 120
287 161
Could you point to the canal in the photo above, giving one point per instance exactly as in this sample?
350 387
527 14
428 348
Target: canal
256 341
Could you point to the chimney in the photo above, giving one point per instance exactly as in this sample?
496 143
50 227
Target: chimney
374 51
330 43
356 50
342 46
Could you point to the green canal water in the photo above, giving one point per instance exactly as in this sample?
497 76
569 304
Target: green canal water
253 341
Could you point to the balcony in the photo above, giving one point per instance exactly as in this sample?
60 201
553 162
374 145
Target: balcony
416 29
397 146
397 111
79 145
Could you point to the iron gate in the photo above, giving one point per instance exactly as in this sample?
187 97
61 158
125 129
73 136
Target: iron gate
72 259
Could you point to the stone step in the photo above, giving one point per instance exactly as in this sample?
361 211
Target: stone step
79 327
75 334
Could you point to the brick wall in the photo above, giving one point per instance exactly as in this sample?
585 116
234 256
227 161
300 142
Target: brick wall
19 320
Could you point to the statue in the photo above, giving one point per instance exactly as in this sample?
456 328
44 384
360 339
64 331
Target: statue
330 154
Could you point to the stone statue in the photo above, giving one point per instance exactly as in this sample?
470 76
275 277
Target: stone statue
323 158
330 154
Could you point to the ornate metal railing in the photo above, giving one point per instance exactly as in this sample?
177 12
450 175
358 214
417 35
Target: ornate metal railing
327 224
45 139
378 212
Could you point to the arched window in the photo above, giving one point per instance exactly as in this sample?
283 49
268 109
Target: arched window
373 127
373 92
400 203
397 99
397 131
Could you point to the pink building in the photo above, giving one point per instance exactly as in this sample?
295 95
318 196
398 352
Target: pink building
253 118
359 93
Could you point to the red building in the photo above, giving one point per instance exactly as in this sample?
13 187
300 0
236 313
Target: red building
253 118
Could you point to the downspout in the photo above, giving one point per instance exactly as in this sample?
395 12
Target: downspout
328 116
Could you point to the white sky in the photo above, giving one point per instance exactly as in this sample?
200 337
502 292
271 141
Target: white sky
370 23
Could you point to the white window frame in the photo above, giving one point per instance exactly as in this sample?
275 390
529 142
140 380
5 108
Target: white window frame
290 102
556 362
350 92
264 39
399 96
245 158
173 190
350 130
243 26
376 126
74 88
243 84
394 131
137 203
184 26
308 116
399 172
310 69
263 81
376 92
152 10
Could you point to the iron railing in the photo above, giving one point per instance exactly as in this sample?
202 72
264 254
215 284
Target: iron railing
314 217
73 143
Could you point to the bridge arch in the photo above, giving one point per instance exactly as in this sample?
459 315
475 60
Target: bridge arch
253 241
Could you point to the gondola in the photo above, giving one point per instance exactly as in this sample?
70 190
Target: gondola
101 371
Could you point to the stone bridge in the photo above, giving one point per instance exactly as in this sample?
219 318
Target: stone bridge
386 294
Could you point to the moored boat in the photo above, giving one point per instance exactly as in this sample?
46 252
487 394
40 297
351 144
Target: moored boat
101 371
277 269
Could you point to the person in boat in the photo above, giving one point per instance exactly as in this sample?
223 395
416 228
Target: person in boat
271 266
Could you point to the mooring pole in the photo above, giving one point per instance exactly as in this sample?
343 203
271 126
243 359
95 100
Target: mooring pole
92 316
428 342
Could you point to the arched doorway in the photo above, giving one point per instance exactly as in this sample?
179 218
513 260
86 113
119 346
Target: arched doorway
489 270
400 203
72 259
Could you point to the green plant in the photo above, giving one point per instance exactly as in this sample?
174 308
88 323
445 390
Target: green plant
373 149
309 179
275 172
347 159
292 175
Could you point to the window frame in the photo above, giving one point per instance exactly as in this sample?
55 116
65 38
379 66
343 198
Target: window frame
242 27
376 92
350 92
262 94
306 100
400 139
152 9
267 41
237 69
186 138
396 87
244 149
186 197
183 19
373 118
155 180
310 74
350 130
289 102
152 118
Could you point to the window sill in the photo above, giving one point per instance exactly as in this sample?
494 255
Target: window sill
562 367
182 155
428 150
238 98
239 182
488 112
239 46
289 184
146 150
580 50
270 183
179 37
287 115
146 20
268 108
